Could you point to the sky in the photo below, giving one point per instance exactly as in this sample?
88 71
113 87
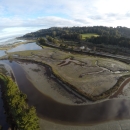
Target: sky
18 17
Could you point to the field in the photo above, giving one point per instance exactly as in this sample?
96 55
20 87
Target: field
91 76
89 35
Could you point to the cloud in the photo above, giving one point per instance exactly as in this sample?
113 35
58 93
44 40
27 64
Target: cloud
13 27
23 16
22 6
55 21
45 22
48 13
15 31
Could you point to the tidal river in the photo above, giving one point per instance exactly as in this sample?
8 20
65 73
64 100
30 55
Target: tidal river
47 108
22 47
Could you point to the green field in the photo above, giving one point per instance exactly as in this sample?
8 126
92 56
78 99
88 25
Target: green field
89 35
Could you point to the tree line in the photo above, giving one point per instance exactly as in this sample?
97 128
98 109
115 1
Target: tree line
111 40
118 36
62 32
23 116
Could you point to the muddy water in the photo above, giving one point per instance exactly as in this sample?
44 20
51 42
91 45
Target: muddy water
47 108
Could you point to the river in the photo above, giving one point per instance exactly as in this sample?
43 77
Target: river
47 108
22 47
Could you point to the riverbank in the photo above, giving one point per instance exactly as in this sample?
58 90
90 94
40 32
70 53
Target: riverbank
66 113
20 115
92 77
69 116
42 79
10 46
104 95
6 121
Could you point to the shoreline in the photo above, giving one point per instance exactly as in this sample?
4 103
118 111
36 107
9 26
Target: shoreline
87 124
104 95
52 88
13 45
12 109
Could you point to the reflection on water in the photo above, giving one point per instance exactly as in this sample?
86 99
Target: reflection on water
24 47
2 53
116 109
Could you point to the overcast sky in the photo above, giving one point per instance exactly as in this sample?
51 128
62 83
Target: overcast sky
21 16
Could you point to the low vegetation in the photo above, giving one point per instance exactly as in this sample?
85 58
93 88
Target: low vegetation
111 40
88 75
111 90
23 116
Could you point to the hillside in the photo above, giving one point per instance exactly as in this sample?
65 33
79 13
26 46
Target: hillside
106 39
100 30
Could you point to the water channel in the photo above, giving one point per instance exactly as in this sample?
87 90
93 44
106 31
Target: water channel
47 108
22 47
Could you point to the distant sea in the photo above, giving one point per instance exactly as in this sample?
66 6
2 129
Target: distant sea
8 35
9 40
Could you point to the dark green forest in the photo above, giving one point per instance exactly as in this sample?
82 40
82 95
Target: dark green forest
18 112
73 31
114 37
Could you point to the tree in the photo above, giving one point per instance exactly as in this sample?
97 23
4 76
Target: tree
54 33
94 49
23 116
10 58
42 41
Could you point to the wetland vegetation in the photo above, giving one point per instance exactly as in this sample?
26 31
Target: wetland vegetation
81 73
66 70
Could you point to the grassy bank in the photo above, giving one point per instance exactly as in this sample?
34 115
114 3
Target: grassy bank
19 113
